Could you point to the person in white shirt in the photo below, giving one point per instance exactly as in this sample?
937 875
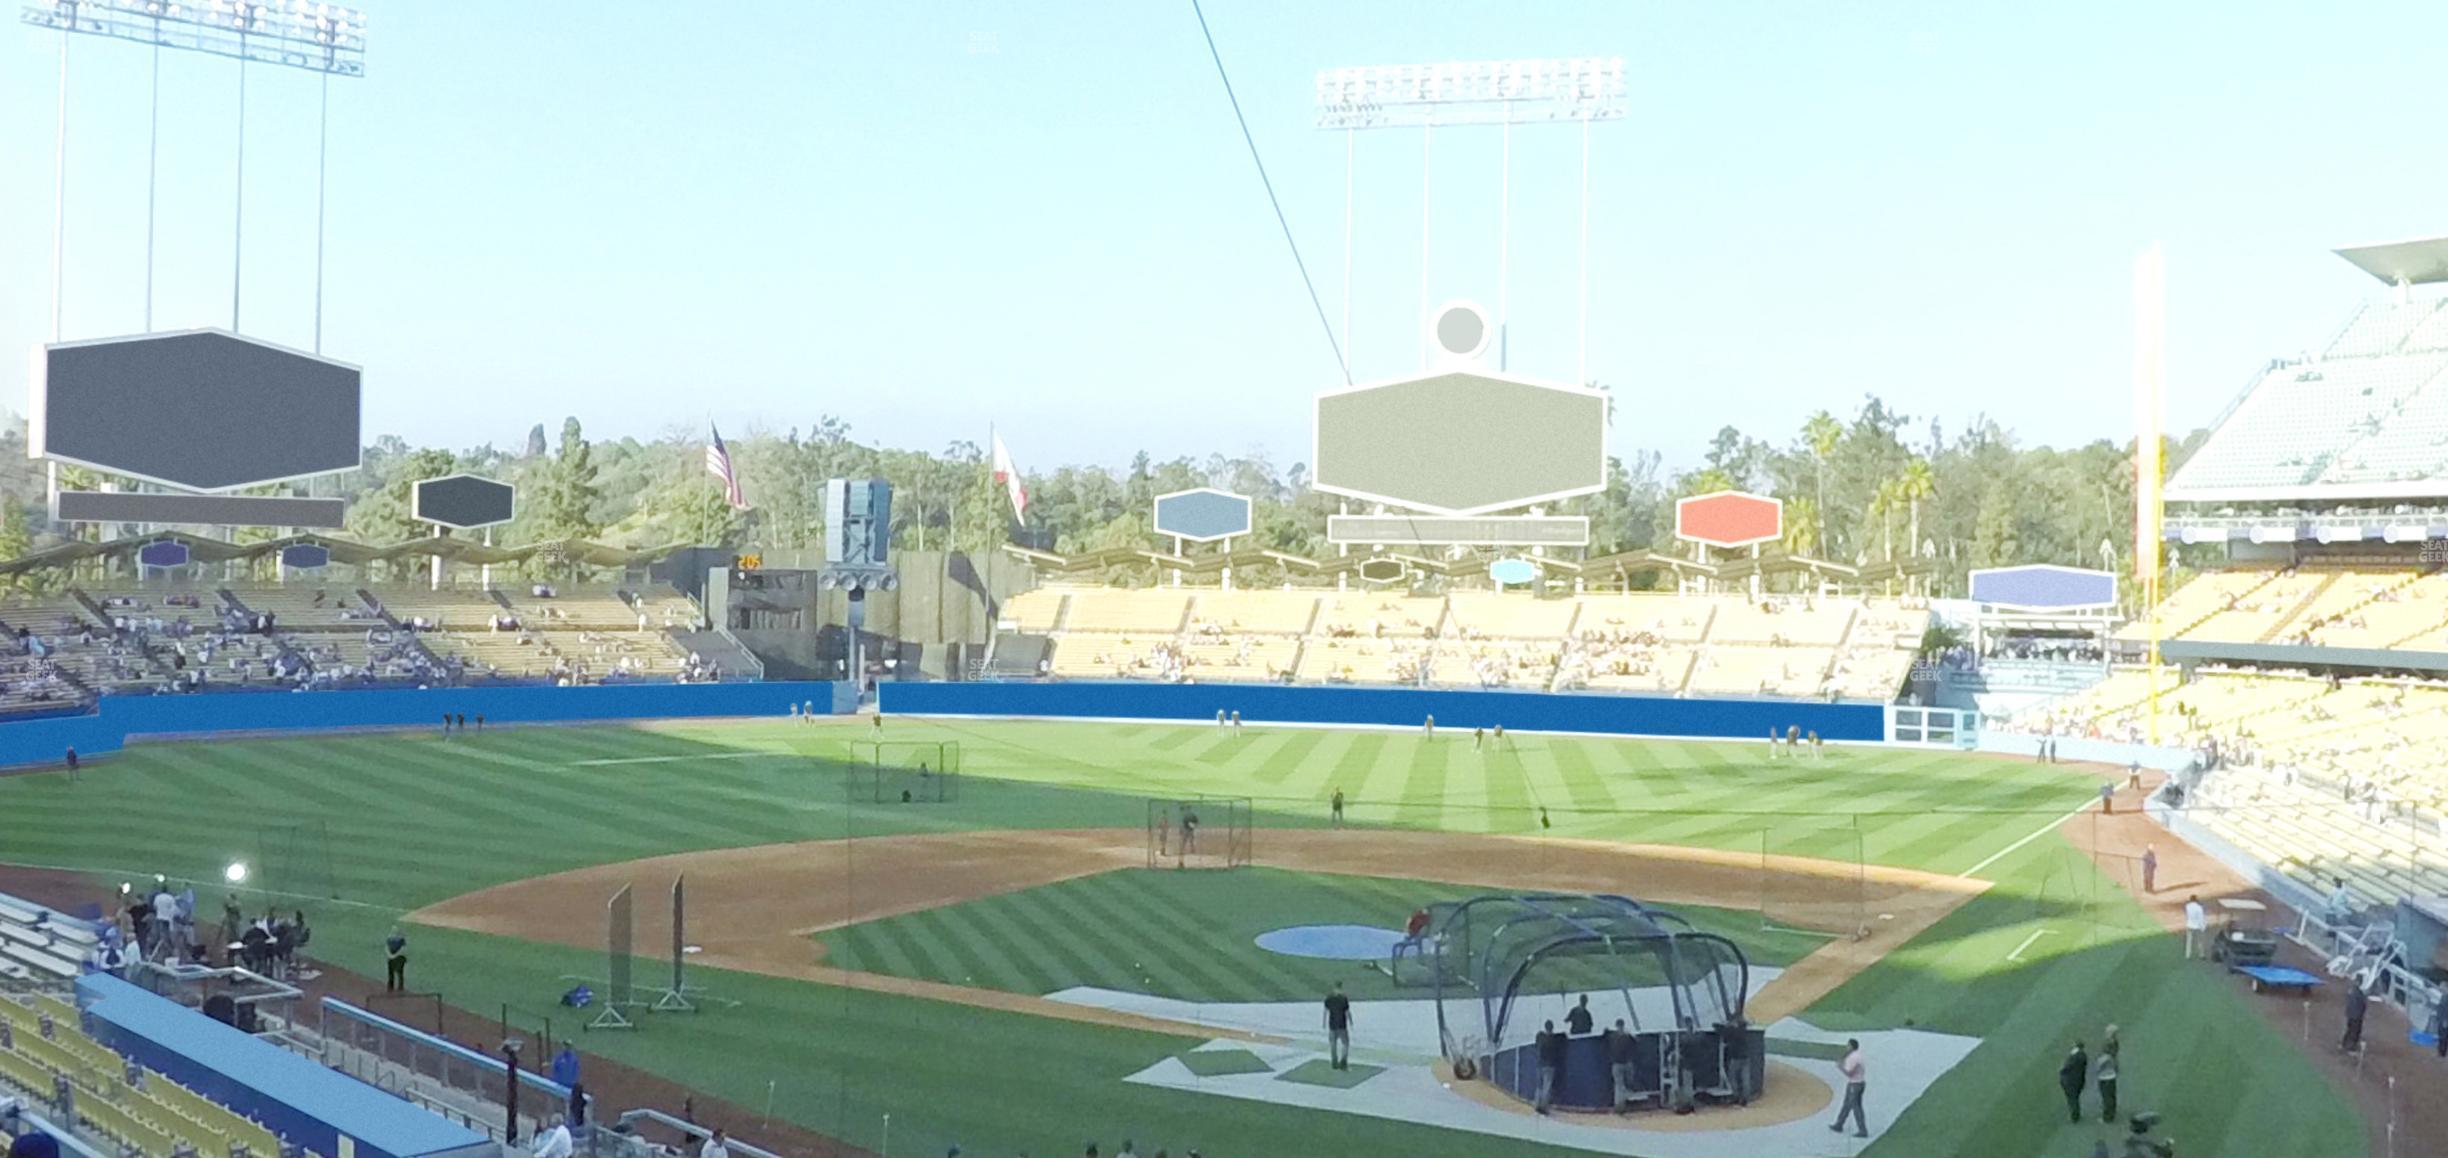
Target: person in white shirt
1857 1076
714 1147
2341 903
2197 928
555 1142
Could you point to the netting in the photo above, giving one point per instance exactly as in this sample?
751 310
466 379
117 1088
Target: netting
620 957
906 771
1812 878
1207 832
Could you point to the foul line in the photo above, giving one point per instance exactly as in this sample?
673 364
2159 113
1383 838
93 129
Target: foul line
2036 834
2017 955
675 759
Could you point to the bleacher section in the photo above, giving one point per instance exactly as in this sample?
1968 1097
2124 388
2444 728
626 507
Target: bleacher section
1665 643
2342 607
2301 424
154 1118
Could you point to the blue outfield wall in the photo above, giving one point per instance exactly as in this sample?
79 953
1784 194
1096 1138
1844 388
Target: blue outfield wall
120 719
1390 707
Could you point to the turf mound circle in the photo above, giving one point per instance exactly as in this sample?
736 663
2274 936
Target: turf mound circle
1330 942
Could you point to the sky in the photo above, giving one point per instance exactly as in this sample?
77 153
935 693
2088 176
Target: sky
932 217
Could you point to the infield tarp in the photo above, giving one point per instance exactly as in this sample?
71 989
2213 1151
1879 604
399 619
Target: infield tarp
119 719
1389 707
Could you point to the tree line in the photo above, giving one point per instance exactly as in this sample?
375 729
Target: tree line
1868 485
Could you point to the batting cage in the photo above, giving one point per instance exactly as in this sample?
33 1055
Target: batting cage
905 771
1420 960
1207 832
1527 962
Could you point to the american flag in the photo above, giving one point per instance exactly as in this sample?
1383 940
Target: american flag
718 463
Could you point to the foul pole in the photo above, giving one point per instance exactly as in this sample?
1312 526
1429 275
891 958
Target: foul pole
2150 389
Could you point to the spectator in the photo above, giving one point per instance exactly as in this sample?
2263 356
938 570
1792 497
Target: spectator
2197 927
714 1146
555 1142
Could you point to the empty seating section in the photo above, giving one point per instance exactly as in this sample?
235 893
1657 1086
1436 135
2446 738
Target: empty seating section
2431 333
443 609
1364 660
1390 616
1033 612
2294 425
574 608
1750 671
303 606
1158 610
2382 328
665 606
36 949
1819 624
154 1118
2262 611
2343 607
1478 614
2371 609
2193 603
2411 444
1255 612
1646 643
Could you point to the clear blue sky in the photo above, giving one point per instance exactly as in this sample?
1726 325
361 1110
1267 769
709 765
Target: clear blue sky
923 216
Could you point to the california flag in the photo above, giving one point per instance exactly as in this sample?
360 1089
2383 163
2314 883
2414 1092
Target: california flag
1008 473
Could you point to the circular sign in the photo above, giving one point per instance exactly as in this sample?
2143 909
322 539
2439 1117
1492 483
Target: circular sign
1462 329
1513 572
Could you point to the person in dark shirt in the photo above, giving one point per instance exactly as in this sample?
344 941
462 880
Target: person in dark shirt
1619 1045
1338 1028
1579 1022
395 962
72 763
2072 1075
1550 1065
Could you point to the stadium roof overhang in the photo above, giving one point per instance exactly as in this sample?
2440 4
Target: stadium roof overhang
2409 262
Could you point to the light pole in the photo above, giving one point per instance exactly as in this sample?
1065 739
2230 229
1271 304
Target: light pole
314 37
1479 92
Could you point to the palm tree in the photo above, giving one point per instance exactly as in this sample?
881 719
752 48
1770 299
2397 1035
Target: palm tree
1821 432
1802 524
1918 482
1883 503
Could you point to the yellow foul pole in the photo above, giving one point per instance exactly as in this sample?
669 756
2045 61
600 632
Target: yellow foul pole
2150 391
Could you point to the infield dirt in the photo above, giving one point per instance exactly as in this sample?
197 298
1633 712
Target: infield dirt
756 909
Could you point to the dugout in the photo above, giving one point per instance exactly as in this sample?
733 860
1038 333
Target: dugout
1522 961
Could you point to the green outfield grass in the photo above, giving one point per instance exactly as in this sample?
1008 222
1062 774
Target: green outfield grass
415 819
1187 935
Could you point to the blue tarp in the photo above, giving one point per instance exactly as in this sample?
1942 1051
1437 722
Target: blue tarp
291 1095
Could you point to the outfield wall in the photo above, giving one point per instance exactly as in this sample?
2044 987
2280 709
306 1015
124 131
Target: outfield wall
118 720
1389 707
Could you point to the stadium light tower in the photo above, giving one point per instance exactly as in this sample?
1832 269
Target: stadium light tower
1479 92
321 38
